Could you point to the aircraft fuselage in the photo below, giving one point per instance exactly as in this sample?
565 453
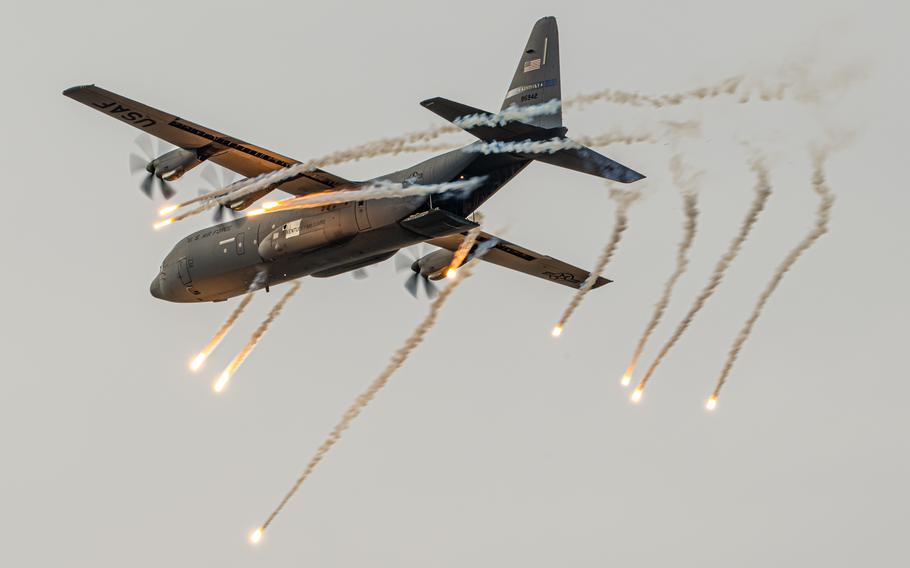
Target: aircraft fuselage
249 253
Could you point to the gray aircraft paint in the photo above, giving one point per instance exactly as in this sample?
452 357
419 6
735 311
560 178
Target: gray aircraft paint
229 259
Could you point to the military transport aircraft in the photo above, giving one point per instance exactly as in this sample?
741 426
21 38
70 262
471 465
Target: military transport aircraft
230 258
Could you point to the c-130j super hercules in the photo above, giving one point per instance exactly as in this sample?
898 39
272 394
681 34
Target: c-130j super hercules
231 258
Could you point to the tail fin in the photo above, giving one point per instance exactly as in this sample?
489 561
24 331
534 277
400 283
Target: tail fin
536 79
536 82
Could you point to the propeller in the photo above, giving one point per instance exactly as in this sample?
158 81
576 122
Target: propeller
211 177
139 164
406 260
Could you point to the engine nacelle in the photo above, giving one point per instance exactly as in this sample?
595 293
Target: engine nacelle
435 264
172 165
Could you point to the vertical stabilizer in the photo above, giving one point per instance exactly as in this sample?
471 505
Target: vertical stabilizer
537 78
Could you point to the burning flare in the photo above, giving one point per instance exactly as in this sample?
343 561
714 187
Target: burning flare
762 193
822 218
398 359
690 206
626 379
624 199
465 247
238 360
199 360
256 536
712 403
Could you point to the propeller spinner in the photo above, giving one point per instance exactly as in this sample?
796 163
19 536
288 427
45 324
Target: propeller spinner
138 164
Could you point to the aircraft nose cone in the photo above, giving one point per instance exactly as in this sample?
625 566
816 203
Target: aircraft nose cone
155 288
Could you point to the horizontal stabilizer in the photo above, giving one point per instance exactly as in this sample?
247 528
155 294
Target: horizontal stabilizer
515 257
452 111
581 159
588 161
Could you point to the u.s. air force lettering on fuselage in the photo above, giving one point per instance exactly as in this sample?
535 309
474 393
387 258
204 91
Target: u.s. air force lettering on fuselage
125 114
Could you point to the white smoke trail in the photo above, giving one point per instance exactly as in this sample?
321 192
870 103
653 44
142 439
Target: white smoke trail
243 188
726 87
395 145
398 359
555 144
688 185
254 339
201 357
524 147
260 280
375 190
762 193
615 136
805 90
822 218
624 200
512 113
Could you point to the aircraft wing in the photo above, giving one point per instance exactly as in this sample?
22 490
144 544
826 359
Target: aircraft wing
232 153
510 255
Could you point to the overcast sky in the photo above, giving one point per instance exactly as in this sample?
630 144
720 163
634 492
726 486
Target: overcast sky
495 445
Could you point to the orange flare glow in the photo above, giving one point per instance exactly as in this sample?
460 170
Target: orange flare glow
712 403
222 381
256 536
451 273
254 212
557 331
198 361
636 395
163 223
626 380
166 210
270 205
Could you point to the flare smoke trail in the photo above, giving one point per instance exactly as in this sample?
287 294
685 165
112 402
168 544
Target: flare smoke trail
381 147
615 136
524 147
509 114
254 339
395 145
367 396
624 200
199 359
465 247
762 193
247 187
380 189
376 190
688 185
823 216
398 144
726 87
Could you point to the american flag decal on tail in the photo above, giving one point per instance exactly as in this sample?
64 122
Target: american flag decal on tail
532 65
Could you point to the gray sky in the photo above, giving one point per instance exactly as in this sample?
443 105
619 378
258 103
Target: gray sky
495 445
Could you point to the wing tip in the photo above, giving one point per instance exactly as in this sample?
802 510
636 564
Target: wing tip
600 282
70 92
